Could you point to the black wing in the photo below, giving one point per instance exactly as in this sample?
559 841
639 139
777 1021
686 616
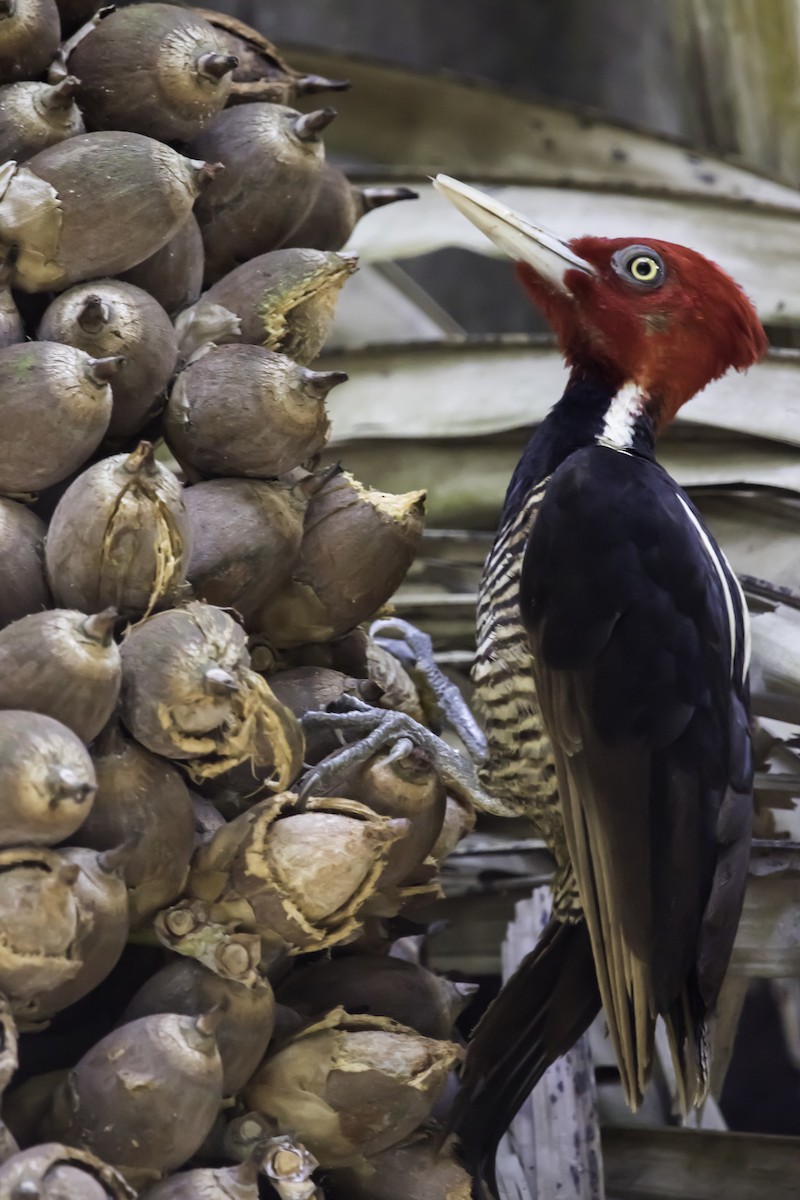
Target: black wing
638 631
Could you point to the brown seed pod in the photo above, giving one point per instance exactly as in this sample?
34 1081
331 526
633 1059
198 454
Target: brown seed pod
357 546
246 535
106 317
306 689
47 781
12 328
243 410
283 300
262 72
62 664
338 207
418 1170
187 929
152 69
141 800
302 876
459 820
248 1013
209 1183
174 274
349 1086
54 1172
29 35
188 693
61 209
144 1098
381 986
119 536
102 903
272 157
36 115
23 584
56 404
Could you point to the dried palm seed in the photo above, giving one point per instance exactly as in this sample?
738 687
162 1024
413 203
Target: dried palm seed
61 209
152 69
55 1172
47 780
211 1183
63 664
29 35
141 800
187 929
243 410
338 207
459 820
248 1012
357 546
36 115
299 876
307 689
174 274
273 158
145 1096
188 693
418 1170
284 301
119 536
55 403
350 1086
23 584
107 317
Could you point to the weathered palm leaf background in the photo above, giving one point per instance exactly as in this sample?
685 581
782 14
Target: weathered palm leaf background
449 373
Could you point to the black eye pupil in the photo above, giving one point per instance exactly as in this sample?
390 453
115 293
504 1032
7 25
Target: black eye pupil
643 268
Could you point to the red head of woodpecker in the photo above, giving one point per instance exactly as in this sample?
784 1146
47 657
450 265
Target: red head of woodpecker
635 311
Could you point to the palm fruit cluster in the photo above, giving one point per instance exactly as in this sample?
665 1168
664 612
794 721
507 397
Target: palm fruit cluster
202 993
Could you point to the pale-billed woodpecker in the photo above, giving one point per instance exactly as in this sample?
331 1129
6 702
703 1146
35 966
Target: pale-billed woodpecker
612 674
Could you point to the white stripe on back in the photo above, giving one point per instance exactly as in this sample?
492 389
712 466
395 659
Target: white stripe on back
720 569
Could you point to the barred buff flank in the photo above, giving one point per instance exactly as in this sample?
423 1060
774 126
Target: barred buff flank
34 116
47 780
152 69
188 693
174 274
243 410
273 159
107 317
29 35
119 536
284 301
62 207
51 1171
55 406
62 664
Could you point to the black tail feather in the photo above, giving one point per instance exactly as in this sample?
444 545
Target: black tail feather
551 999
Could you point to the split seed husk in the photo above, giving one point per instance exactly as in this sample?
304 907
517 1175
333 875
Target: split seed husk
380 985
262 72
246 535
34 116
188 693
54 1172
64 665
186 987
23 584
243 410
299 876
107 317
119 536
338 207
141 800
47 780
349 1086
272 157
174 274
61 209
30 31
145 1096
284 301
55 403
357 546
152 69
209 1183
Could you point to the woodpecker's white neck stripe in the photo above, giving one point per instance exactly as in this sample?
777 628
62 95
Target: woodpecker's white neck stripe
719 567
619 424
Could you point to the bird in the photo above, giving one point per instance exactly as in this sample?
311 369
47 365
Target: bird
611 675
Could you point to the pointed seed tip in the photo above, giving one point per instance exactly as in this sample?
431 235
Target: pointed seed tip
377 197
68 874
113 861
103 370
60 95
208 1022
307 85
309 126
100 626
216 66
140 459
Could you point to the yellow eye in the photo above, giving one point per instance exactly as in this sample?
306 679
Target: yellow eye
644 269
